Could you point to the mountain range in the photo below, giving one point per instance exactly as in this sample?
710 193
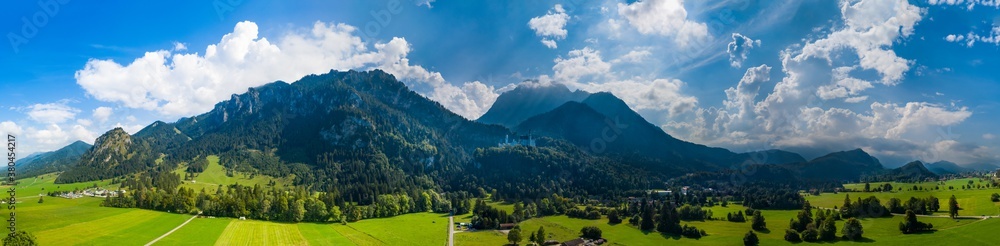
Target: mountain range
366 133
53 161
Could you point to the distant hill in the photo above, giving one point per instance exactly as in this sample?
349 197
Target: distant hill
113 154
947 167
53 161
527 100
914 170
982 166
603 124
774 157
843 165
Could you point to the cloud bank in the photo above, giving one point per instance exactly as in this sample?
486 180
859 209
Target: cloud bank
179 84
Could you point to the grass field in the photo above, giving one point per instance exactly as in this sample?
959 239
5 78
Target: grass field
82 221
215 174
881 231
240 232
60 221
32 187
201 231
974 202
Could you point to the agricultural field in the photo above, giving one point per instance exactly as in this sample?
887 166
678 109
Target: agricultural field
60 221
82 221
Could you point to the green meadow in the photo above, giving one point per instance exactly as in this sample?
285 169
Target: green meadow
82 221
973 202
881 231
215 175
877 231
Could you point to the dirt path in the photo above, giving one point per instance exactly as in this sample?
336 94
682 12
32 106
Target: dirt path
172 231
451 230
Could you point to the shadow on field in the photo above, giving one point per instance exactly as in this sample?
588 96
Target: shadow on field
664 235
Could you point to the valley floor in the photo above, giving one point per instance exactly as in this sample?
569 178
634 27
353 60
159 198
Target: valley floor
82 221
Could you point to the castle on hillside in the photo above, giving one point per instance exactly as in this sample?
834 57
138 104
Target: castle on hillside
524 140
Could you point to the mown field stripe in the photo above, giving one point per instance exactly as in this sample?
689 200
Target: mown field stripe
171 231
87 231
357 237
322 234
260 233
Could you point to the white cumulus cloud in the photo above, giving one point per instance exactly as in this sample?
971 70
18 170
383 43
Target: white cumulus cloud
969 4
101 114
970 39
181 84
551 26
739 48
586 69
871 27
51 113
666 18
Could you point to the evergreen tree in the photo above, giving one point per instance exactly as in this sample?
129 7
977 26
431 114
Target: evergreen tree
668 220
952 207
911 225
647 222
852 229
828 230
750 239
758 221
540 235
847 210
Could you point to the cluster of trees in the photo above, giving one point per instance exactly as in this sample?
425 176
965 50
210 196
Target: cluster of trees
911 225
687 212
198 165
587 213
887 187
738 217
665 217
762 196
521 173
591 232
925 206
485 216
807 228
159 191
869 207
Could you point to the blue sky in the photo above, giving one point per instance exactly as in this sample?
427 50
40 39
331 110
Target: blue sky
900 79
